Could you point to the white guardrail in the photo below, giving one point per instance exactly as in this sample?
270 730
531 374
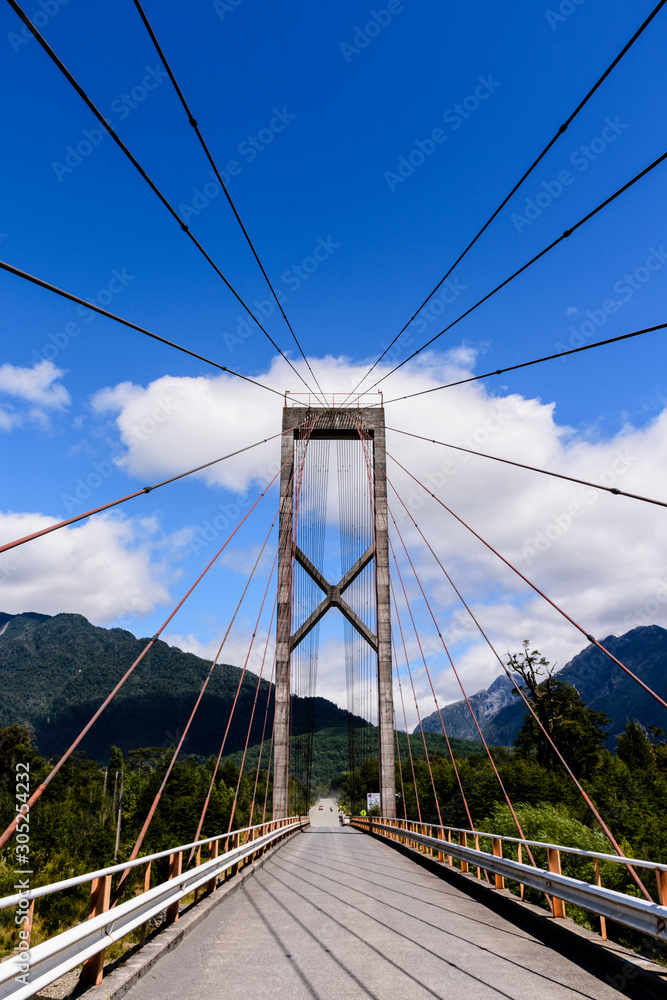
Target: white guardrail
640 914
32 969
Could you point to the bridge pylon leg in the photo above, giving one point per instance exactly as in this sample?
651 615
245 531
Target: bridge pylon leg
385 695
333 424
283 628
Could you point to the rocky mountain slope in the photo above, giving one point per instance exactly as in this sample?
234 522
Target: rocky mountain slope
600 682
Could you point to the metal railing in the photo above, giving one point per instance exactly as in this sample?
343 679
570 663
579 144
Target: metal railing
639 914
32 969
334 400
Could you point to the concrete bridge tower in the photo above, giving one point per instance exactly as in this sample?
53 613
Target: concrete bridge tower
335 423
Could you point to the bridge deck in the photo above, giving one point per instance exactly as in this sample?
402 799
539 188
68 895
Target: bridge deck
335 914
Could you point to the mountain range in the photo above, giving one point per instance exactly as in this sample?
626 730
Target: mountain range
602 684
55 672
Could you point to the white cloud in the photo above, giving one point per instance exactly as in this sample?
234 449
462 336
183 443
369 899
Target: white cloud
599 556
34 394
105 569
177 423
239 646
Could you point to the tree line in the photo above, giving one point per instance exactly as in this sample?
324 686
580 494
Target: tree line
91 815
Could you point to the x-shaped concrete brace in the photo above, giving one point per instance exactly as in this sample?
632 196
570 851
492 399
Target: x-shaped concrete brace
333 598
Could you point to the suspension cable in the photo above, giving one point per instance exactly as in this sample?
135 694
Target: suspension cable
119 142
261 745
524 267
363 433
534 587
437 706
268 770
525 364
529 171
311 421
407 733
428 673
532 468
400 769
70 750
605 828
259 681
303 756
128 323
209 156
414 693
151 812
463 692
131 496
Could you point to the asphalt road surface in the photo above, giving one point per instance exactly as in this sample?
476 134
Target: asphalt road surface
335 914
327 815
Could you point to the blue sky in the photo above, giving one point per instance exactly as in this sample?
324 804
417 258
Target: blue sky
311 115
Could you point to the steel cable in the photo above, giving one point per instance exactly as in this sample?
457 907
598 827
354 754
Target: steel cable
119 142
605 828
195 126
525 364
524 267
531 468
70 750
563 128
534 587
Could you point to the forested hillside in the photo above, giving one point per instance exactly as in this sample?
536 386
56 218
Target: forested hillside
56 671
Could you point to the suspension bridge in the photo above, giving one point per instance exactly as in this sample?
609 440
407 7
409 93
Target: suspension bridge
335 907
302 900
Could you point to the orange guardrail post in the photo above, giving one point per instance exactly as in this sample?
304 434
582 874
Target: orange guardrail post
147 885
213 848
554 866
441 836
479 868
598 881
463 841
235 867
519 856
197 863
27 927
100 897
498 853
661 879
175 868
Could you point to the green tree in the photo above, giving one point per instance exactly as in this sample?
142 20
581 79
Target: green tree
634 748
577 731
